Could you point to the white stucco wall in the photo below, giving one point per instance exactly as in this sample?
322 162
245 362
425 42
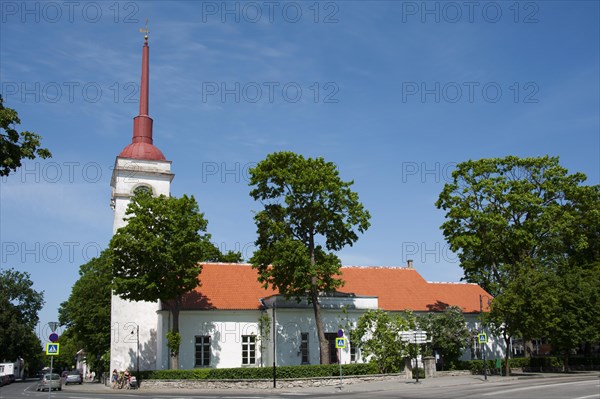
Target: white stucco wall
292 322
225 329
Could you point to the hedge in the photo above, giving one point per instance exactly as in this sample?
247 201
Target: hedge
253 373
333 370
549 363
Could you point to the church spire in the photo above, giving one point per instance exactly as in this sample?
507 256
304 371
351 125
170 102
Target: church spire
142 124
141 146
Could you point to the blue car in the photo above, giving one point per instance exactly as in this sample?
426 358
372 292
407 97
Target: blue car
73 377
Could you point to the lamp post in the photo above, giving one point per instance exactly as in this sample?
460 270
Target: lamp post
274 345
262 302
137 349
416 357
482 327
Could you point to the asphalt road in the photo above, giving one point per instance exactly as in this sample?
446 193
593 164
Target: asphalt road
568 387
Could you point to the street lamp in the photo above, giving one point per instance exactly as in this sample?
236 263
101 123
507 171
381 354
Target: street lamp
262 302
274 345
137 348
482 327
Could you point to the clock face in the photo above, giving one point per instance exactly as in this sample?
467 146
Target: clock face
143 189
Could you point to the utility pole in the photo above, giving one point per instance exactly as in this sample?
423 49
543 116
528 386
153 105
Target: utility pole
274 345
50 386
137 349
482 344
416 356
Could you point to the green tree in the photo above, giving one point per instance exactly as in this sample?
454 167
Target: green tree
506 218
19 308
448 332
67 357
86 313
156 255
309 212
15 146
377 335
575 317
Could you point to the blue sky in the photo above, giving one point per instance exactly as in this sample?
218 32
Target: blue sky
394 92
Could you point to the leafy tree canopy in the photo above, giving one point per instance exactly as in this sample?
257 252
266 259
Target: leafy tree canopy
86 313
19 307
448 332
155 256
377 335
305 202
15 146
502 212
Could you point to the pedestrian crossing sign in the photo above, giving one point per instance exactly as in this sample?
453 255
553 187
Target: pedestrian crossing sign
340 343
52 349
483 338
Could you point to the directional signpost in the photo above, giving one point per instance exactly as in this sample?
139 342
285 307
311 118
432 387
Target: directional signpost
416 337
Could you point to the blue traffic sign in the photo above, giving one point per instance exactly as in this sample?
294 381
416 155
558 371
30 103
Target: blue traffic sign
53 337
52 349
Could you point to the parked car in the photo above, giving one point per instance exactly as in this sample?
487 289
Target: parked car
74 377
49 382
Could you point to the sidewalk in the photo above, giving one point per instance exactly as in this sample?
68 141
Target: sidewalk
390 385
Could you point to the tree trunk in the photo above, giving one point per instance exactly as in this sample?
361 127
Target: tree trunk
323 343
175 313
506 354
314 293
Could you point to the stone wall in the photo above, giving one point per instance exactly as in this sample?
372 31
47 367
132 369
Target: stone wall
265 384
453 373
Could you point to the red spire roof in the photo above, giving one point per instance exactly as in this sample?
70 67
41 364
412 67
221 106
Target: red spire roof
141 146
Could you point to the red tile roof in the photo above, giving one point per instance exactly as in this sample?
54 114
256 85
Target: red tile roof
235 286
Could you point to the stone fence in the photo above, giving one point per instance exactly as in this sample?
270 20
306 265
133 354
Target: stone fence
267 383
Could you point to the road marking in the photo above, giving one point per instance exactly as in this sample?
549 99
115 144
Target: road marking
536 387
588 397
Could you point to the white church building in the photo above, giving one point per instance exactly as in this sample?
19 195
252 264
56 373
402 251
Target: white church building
230 320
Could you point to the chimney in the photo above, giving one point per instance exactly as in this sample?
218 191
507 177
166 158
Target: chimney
409 263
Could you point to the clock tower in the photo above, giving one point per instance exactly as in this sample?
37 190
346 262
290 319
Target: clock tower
140 166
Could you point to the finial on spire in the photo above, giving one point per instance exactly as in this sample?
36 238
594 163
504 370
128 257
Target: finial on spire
145 30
